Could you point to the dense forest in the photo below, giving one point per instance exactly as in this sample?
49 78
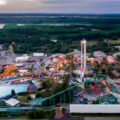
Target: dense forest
60 34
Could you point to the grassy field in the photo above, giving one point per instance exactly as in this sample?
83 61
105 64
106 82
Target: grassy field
35 34
68 31
114 42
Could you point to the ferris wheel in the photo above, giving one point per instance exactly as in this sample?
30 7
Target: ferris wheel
37 68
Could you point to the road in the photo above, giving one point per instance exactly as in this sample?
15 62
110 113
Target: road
67 117
101 118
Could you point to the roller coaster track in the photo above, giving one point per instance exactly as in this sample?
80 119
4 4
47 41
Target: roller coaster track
38 106
43 104
20 109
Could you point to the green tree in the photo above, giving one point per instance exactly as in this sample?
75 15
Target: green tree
57 87
109 69
66 79
29 98
71 65
41 114
37 95
48 83
13 93
118 58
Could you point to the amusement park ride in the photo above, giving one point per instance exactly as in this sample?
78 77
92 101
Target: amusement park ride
71 93
37 68
8 72
83 59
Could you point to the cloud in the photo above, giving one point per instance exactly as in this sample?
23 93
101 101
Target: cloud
78 1
30 0
60 6
3 2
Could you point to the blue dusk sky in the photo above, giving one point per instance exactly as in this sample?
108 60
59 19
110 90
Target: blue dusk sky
59 6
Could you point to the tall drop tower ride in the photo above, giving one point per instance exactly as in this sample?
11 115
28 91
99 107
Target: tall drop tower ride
83 58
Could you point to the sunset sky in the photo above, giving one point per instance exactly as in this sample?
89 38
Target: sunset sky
59 6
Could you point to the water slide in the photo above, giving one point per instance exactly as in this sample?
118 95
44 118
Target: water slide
17 79
8 70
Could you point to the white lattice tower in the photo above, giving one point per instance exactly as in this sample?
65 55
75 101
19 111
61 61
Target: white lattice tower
83 59
83 55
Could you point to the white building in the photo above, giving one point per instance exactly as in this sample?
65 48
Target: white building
99 54
22 58
19 64
38 54
12 102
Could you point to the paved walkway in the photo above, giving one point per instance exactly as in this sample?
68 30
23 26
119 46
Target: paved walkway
67 117
102 118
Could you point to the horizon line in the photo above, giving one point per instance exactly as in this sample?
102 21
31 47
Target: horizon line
56 13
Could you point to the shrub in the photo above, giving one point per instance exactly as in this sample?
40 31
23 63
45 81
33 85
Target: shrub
22 99
29 98
41 114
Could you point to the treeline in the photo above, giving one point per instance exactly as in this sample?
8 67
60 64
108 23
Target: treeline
36 38
59 19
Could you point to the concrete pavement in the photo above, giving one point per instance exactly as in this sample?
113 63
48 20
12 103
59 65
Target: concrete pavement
101 118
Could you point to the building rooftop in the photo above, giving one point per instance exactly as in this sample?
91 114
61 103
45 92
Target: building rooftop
12 102
99 54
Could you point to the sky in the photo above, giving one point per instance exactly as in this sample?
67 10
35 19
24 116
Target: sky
59 6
